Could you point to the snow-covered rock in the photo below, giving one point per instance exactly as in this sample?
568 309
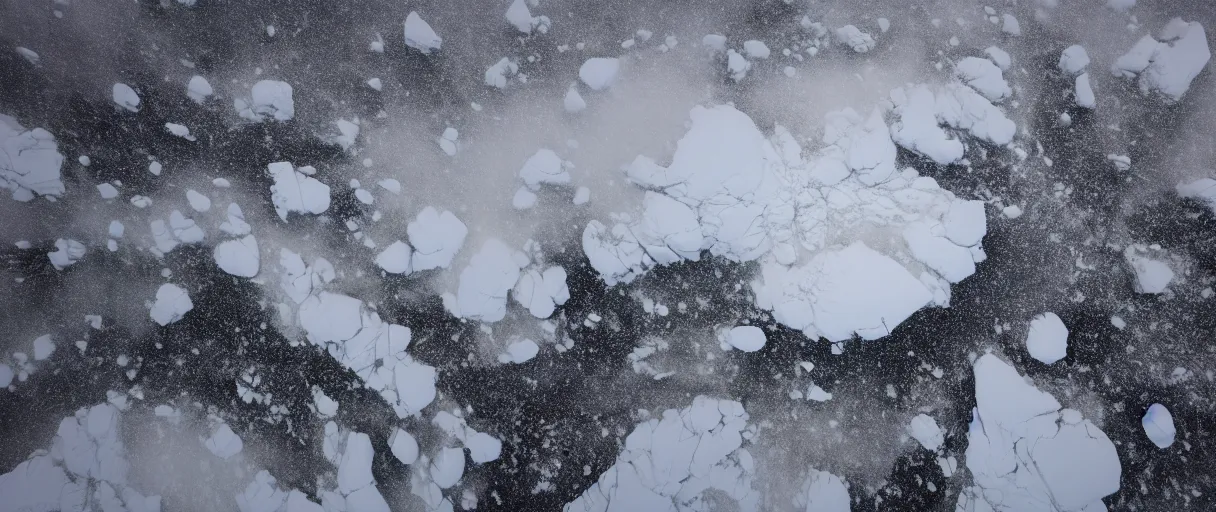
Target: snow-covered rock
67 252
269 99
1158 425
1026 453
1152 275
1167 67
747 338
240 257
294 192
125 97
1047 338
677 458
436 238
172 303
599 73
31 161
419 35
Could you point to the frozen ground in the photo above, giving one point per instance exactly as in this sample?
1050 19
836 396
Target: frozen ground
547 255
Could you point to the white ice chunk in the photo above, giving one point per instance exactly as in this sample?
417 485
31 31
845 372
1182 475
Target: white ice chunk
1170 66
235 225
1047 338
756 49
520 17
448 467
29 55
484 283
1152 275
497 74
599 73
419 35
44 346
519 352
1202 190
747 338
1084 92
737 65
1073 59
198 89
1025 453
574 102
1158 425
544 167
270 99
124 96
403 446
395 259
855 38
999 57
925 431
31 161
1010 25
172 303
67 252
294 192
107 191
983 76
436 239
224 443
239 257
717 42
180 130
823 492
199 202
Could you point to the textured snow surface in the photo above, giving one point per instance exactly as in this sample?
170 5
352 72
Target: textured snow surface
419 35
172 303
269 99
676 459
1158 425
1168 66
1025 453
731 191
1047 338
86 469
29 161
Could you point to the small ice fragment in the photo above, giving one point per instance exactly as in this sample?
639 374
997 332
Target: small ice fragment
199 202
67 252
574 102
125 97
44 346
599 72
519 352
747 338
1159 426
198 89
1010 25
395 259
375 83
1073 59
924 429
107 191
419 35
172 303
756 49
1047 338
403 446
582 195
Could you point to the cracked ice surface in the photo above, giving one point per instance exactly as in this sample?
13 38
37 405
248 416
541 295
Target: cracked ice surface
735 193
294 192
482 290
263 495
1026 453
86 469
29 161
269 99
372 348
669 463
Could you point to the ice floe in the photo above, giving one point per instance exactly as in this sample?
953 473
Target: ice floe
1047 338
481 293
31 163
823 492
269 99
599 73
678 458
263 495
520 17
294 192
1027 453
1073 59
419 35
240 257
436 238
923 428
395 259
198 89
125 97
223 442
520 351
1151 274
172 303
1158 425
1168 66
86 469
67 252
747 338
